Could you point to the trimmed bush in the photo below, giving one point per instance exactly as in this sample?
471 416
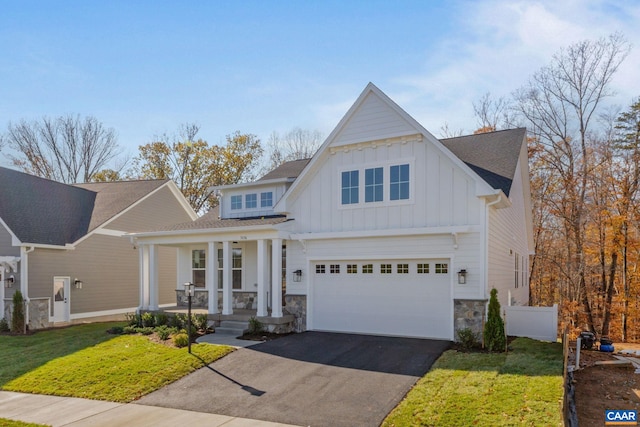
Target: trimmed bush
148 320
494 336
200 321
115 330
180 340
134 319
161 319
255 326
467 338
4 325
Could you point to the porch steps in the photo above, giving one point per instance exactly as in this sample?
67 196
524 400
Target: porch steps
232 327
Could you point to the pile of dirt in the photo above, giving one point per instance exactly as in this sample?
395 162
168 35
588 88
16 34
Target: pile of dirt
602 387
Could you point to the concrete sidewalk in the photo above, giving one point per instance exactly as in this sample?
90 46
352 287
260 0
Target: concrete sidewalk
73 412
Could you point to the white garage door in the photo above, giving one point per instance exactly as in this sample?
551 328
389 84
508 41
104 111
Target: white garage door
405 298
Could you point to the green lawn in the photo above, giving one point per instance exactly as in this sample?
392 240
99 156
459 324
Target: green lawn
85 361
522 387
4 422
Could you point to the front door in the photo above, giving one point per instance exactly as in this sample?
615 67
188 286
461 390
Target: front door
61 293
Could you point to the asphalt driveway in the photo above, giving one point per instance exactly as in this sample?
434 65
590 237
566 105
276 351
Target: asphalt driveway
308 379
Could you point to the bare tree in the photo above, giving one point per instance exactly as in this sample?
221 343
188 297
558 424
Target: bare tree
493 114
66 149
447 132
558 104
296 144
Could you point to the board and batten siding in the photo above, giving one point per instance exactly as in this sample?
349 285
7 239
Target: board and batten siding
374 120
441 193
384 248
507 237
108 268
157 210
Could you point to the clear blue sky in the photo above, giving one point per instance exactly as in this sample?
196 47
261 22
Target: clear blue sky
145 67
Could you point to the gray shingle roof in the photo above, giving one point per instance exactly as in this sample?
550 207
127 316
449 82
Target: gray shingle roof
287 170
492 155
114 197
42 211
211 220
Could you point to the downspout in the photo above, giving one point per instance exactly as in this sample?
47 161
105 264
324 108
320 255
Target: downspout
24 279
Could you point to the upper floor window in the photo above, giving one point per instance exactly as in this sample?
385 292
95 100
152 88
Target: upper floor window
266 199
373 185
399 182
350 186
251 201
236 202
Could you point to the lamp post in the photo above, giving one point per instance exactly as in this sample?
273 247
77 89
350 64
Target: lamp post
189 289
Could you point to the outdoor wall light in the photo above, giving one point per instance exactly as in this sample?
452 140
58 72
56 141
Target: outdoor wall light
462 276
77 283
8 282
297 275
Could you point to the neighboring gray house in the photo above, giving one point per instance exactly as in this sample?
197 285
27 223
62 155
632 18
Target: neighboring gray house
62 246
387 230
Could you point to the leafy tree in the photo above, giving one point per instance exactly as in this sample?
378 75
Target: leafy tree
559 105
195 166
494 335
67 149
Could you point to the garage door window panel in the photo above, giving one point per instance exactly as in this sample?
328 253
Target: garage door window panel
334 268
320 269
367 269
423 268
442 268
385 269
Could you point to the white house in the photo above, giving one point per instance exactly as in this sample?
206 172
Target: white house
386 230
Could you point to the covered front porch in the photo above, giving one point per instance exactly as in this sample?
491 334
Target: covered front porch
238 273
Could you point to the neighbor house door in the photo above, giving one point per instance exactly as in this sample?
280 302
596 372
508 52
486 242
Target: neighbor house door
61 294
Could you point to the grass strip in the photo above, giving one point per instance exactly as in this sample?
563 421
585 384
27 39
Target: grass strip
522 387
120 369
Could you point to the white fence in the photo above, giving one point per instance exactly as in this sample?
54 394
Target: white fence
540 323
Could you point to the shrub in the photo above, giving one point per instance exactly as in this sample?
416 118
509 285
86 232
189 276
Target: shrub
115 330
180 340
148 319
255 326
164 332
134 319
467 338
4 325
161 319
494 336
178 321
17 317
200 321
129 330
146 330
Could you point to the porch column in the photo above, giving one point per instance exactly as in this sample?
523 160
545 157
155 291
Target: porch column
263 277
143 253
227 296
211 275
276 278
153 277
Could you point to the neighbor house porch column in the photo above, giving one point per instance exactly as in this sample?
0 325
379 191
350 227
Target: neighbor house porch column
276 278
154 286
227 274
143 253
263 277
211 277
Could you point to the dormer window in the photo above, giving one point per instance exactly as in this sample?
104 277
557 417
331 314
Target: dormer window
251 201
266 199
236 202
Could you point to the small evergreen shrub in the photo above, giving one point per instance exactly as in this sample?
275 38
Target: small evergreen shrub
494 336
164 332
17 317
134 319
4 325
130 329
116 330
162 319
148 320
467 338
180 340
200 321
146 330
255 326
